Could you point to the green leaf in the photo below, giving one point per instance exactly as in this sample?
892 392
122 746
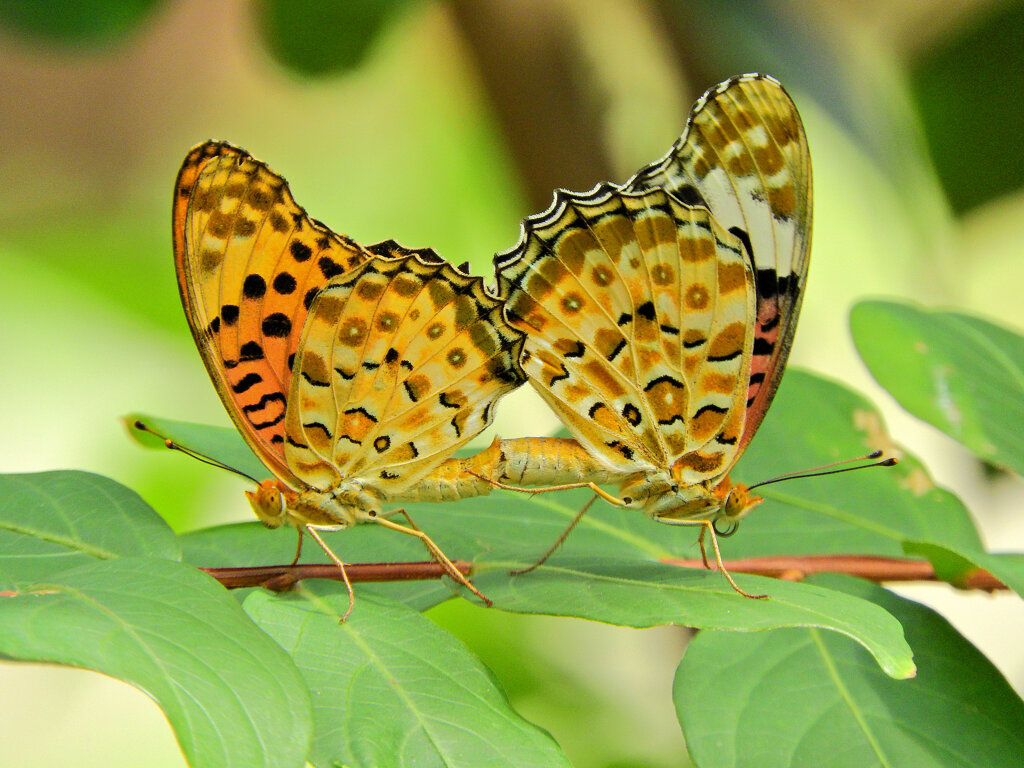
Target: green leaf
636 594
391 688
315 38
52 521
803 697
221 444
231 695
95 22
961 374
955 565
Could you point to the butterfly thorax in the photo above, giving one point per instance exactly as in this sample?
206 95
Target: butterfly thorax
342 506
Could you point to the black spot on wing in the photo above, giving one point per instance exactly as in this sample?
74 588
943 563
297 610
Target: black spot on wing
247 382
761 347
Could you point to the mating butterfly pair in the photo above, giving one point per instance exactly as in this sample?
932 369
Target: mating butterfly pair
655 318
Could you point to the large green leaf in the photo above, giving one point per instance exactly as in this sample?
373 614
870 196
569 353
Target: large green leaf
52 521
390 688
959 373
636 594
807 698
620 586
231 695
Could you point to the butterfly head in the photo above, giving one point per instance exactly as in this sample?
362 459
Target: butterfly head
270 502
680 504
342 506
735 503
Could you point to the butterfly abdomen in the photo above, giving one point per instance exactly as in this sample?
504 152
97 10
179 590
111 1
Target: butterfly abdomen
541 461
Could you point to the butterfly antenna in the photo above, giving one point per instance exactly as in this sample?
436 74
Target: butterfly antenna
191 452
827 469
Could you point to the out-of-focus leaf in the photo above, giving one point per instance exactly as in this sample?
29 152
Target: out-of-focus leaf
801 697
391 688
231 695
967 88
53 521
959 373
316 38
70 22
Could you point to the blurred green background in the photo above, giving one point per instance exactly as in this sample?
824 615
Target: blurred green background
442 124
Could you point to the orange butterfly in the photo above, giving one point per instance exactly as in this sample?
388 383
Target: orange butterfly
353 372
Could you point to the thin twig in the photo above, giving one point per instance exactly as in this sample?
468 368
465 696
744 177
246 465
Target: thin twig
278 577
871 567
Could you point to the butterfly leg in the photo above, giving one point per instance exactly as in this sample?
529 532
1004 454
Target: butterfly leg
344 574
435 551
706 525
558 542
703 549
298 548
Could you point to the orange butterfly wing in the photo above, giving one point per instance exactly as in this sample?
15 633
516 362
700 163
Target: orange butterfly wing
249 263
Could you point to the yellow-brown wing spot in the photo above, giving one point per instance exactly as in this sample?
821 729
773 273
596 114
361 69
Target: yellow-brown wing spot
249 262
419 354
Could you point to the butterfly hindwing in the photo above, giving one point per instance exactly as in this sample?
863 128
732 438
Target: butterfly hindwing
639 315
744 157
401 363
249 263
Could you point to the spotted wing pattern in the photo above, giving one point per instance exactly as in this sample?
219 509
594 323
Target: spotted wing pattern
401 362
639 316
249 263
744 157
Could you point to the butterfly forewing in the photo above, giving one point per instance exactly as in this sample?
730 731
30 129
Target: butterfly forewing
639 313
744 157
400 364
249 263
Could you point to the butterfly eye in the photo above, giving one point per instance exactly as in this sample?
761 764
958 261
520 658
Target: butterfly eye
627 500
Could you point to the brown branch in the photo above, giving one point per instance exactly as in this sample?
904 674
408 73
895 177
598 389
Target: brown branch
788 567
873 568
280 577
